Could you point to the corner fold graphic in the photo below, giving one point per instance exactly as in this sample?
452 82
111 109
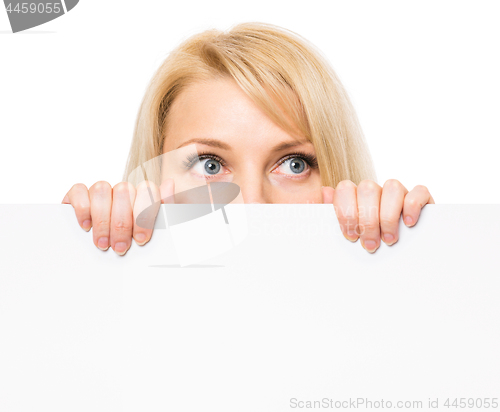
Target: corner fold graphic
70 4
26 15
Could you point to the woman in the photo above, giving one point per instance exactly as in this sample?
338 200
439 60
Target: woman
263 109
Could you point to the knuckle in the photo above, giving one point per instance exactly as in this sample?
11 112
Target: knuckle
387 221
81 206
101 225
412 203
78 187
345 184
393 184
101 187
368 186
368 226
421 188
122 225
123 187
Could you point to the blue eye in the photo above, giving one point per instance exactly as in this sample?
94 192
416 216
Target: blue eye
206 166
297 165
293 165
212 166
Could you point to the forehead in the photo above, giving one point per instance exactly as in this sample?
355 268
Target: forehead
220 109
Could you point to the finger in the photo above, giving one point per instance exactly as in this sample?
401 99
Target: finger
167 191
414 201
368 197
78 197
391 207
146 206
100 209
122 219
346 208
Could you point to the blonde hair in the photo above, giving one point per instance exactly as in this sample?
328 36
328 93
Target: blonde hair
283 74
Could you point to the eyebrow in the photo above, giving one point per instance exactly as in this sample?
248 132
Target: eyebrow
208 142
221 145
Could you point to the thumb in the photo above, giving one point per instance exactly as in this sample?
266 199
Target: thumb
327 192
167 191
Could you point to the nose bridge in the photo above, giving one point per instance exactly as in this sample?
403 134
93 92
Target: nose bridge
252 185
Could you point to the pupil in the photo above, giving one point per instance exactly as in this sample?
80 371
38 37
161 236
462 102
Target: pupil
297 165
212 167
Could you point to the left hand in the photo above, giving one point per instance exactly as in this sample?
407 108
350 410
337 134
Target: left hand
372 213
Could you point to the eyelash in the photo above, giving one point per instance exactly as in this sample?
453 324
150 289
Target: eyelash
311 160
193 157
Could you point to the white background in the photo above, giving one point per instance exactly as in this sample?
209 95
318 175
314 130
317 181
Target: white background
423 77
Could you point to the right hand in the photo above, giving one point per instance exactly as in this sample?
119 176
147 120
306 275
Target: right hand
112 212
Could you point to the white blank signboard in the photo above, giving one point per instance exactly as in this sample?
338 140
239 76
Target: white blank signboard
294 317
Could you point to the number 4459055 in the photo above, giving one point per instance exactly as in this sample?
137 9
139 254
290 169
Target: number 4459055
34 8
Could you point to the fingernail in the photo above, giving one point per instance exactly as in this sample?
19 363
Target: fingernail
408 220
388 238
140 238
120 248
370 245
351 235
102 243
86 225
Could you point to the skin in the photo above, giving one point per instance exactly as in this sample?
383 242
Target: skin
219 119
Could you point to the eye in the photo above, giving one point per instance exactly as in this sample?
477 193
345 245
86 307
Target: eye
207 166
293 166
